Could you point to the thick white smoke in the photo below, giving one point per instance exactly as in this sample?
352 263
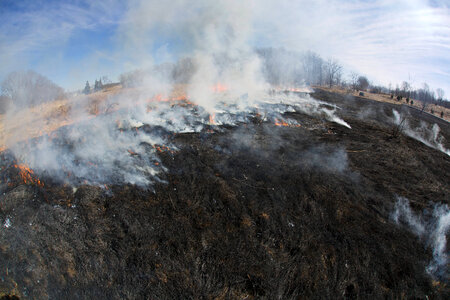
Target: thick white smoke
433 229
223 84
215 35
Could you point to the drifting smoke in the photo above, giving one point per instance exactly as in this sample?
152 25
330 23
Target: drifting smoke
122 146
424 134
223 81
267 143
433 228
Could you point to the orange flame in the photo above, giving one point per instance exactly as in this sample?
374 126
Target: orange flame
27 175
285 124
219 88
212 119
160 98
280 123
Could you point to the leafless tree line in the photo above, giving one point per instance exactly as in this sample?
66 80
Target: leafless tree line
280 67
28 88
283 67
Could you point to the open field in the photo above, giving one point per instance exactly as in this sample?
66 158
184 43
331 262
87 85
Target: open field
246 212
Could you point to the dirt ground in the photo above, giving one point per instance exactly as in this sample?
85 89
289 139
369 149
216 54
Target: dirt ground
247 212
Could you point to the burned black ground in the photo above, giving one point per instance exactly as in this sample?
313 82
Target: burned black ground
252 211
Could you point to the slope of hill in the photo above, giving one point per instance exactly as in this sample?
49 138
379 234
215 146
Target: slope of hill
417 104
249 211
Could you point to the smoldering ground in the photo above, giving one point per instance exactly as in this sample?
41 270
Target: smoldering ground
294 174
253 209
425 133
433 227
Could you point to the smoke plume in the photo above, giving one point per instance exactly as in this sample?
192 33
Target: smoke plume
219 79
432 227
425 134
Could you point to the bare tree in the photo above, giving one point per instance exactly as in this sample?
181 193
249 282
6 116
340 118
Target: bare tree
354 80
425 96
313 68
30 88
440 94
406 88
333 71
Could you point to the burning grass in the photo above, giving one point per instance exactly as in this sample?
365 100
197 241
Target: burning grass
252 210
27 175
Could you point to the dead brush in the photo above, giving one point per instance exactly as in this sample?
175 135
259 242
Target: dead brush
60 112
93 107
399 125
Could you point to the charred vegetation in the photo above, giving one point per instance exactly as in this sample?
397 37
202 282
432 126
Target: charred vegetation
250 211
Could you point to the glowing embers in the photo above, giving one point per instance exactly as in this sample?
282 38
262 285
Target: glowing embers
163 148
27 175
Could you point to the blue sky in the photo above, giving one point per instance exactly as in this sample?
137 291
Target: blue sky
74 41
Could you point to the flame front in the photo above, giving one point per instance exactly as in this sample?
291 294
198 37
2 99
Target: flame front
27 175
285 124
280 123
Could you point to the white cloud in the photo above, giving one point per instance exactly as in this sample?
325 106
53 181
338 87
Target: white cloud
386 40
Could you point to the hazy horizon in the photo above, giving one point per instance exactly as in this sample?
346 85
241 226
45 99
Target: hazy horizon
73 42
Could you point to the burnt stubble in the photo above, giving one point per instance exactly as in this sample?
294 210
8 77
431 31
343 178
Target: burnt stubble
249 211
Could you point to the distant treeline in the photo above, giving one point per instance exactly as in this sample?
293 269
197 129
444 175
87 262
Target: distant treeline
281 67
28 88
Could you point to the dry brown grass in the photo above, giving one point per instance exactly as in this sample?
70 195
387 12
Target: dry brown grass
43 119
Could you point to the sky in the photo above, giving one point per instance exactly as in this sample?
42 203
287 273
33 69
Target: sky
70 42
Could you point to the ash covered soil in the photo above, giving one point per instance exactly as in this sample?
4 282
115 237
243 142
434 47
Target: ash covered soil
250 211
